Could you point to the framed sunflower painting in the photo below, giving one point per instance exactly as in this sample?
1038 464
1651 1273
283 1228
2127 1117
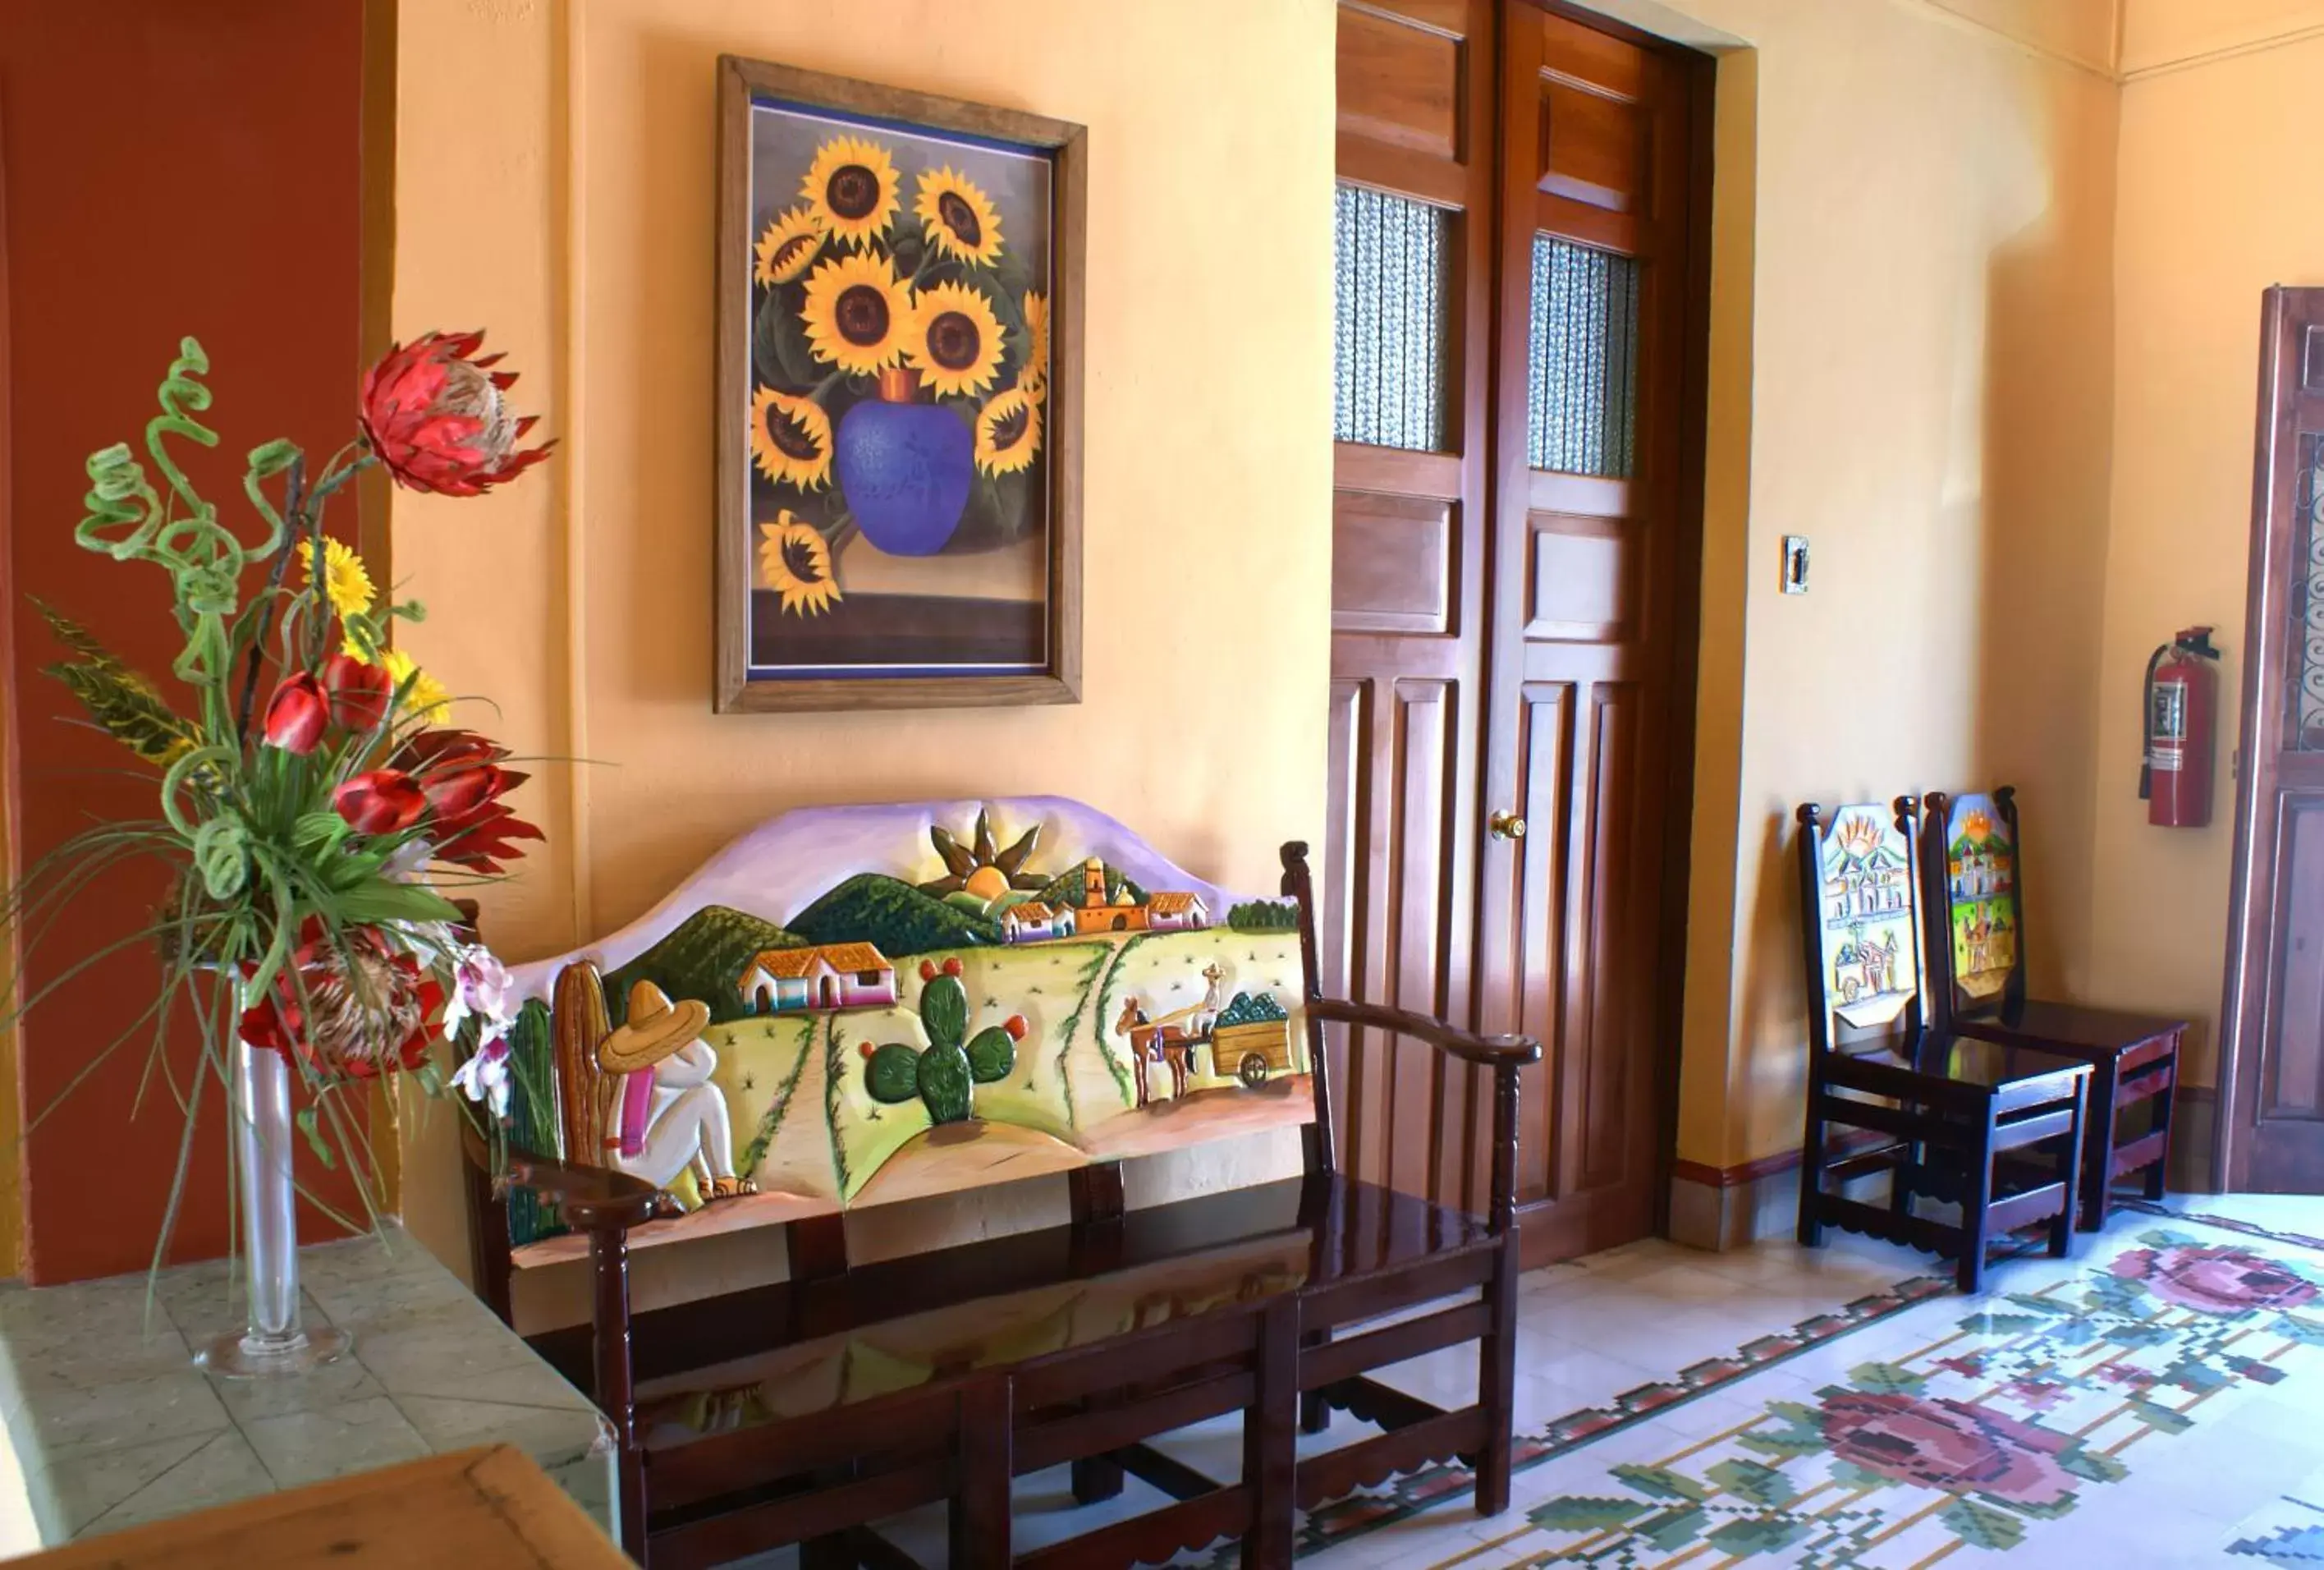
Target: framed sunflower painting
898 397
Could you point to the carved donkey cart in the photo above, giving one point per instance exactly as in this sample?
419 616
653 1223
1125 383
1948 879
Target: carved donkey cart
1208 1255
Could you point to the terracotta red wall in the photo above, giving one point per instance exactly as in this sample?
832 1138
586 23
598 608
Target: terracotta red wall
170 169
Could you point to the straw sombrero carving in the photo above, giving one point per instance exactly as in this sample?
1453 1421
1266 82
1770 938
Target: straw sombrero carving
655 1029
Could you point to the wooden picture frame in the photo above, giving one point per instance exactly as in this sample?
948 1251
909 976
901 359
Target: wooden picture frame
1044 662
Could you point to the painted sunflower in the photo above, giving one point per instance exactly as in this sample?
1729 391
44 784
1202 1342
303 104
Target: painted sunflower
1008 433
795 561
790 438
955 341
851 189
961 220
858 314
791 243
345 582
1035 375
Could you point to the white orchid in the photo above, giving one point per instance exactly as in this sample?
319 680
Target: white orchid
485 1076
480 990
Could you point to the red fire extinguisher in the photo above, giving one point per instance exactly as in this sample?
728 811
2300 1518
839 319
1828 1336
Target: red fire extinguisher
2182 695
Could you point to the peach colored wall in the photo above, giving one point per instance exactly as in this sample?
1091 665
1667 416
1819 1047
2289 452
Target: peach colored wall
2160 35
1912 366
555 183
2213 210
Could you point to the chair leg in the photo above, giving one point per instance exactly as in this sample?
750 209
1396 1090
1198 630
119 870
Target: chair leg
2074 1165
2098 1141
1976 1209
1812 1165
1496 1372
2158 1176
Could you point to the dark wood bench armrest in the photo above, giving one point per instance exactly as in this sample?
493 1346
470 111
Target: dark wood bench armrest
1485 1051
592 1198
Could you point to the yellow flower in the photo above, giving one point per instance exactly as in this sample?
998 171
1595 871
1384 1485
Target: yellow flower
345 583
795 561
956 339
959 221
790 438
1008 433
792 241
857 314
427 701
851 189
1035 375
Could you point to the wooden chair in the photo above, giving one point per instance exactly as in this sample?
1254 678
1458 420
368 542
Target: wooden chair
1974 909
1992 1128
807 1410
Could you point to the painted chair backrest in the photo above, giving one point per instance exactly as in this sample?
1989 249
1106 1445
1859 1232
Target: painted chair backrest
1970 892
1859 926
850 1006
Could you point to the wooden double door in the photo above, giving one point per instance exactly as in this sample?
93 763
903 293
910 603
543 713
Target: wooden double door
1521 277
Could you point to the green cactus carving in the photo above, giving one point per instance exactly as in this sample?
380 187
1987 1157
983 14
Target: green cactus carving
945 1076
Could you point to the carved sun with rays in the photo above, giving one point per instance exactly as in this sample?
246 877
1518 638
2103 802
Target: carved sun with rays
979 867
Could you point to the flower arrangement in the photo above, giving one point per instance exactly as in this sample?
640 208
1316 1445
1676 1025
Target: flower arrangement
315 837
901 354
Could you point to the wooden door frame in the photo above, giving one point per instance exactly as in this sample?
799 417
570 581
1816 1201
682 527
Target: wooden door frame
2245 1023
1692 429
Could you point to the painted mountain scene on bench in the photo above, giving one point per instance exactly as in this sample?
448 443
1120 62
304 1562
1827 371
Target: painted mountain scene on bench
855 1005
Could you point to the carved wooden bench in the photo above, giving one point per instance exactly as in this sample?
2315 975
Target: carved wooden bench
856 1007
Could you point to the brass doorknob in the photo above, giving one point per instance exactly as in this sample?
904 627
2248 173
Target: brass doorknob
1503 824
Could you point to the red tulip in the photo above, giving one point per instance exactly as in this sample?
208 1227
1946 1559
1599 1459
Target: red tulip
454 794
436 417
379 802
359 692
296 715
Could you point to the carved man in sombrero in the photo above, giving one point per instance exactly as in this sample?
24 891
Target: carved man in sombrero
669 1115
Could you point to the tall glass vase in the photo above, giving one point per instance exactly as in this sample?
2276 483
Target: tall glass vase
274 1342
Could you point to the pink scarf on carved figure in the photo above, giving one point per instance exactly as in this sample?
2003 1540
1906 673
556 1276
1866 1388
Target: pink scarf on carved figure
637 1109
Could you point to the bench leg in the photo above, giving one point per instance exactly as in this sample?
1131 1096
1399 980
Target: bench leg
1497 1371
980 1511
1270 1439
831 1552
1095 1478
1315 1411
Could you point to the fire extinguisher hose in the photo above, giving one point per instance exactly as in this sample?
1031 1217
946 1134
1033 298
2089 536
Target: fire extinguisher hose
2145 719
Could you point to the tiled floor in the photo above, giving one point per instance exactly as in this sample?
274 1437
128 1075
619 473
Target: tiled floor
2042 1419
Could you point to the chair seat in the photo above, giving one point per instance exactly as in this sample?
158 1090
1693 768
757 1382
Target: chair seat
781 1353
2075 1028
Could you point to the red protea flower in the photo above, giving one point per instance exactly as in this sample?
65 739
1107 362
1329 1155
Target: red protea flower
296 715
360 691
379 802
479 841
354 1008
436 417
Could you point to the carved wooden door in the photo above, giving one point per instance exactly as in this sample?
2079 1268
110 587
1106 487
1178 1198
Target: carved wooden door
2271 1026
1411 425
1513 588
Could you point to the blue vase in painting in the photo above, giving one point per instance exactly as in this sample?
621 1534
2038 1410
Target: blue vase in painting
904 468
